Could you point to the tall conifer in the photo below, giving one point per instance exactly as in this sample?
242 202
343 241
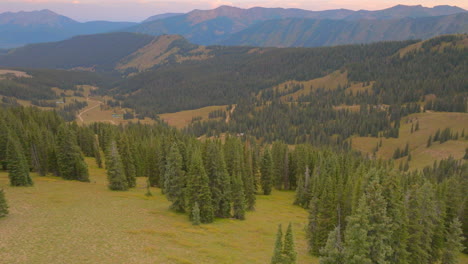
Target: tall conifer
199 189
267 172
3 204
115 170
175 182
18 168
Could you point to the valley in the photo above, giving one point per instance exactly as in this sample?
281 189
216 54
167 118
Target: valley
232 135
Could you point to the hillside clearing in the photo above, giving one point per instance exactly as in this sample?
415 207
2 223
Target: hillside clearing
184 118
59 221
422 156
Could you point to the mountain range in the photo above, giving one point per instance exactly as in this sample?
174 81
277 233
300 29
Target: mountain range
260 26
18 29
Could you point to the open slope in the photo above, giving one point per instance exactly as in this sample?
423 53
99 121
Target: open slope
76 222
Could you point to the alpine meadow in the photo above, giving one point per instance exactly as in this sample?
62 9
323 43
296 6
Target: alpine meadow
231 135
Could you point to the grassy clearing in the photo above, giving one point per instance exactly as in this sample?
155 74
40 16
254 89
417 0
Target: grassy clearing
422 156
59 221
183 118
5 73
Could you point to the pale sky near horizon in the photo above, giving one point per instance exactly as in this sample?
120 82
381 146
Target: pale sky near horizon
138 10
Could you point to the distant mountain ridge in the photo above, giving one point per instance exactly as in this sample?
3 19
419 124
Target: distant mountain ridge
207 27
21 28
301 32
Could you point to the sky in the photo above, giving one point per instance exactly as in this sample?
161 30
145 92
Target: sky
138 10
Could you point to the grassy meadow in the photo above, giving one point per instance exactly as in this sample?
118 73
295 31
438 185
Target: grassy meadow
59 221
422 156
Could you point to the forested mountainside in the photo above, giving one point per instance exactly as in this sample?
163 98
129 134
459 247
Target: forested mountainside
300 32
220 25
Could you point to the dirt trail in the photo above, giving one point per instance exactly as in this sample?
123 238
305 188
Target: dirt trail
228 117
98 103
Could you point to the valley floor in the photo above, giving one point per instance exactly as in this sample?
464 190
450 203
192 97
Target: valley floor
59 221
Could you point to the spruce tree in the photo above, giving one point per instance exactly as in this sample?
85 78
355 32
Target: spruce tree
333 253
289 251
174 179
115 170
277 257
248 179
97 153
128 161
198 189
453 243
429 141
357 244
196 214
267 172
18 168
220 182
3 204
70 161
238 197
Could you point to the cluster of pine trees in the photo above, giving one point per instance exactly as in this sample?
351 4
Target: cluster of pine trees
363 211
40 141
284 252
444 136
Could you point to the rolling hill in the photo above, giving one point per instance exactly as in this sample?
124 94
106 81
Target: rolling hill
18 29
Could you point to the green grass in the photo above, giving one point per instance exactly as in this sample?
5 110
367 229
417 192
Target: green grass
59 221
422 156
184 118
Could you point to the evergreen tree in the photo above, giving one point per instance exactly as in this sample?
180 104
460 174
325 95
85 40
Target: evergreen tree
466 154
333 253
289 251
97 153
220 182
429 141
277 253
196 214
115 170
238 197
3 204
128 161
248 179
453 243
18 168
71 164
267 172
199 189
357 244
175 182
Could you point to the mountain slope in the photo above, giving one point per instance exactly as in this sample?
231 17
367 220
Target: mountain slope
18 29
92 52
313 33
207 27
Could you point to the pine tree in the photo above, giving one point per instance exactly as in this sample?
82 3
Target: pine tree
18 168
429 141
417 126
238 197
277 253
289 251
71 164
97 153
267 172
115 170
196 214
174 179
453 243
220 181
357 244
199 189
128 161
248 179
333 253
3 204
